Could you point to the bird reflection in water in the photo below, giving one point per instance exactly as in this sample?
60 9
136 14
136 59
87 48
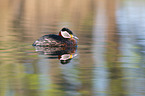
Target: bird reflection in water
64 54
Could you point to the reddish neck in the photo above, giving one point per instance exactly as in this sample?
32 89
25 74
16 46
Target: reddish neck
60 34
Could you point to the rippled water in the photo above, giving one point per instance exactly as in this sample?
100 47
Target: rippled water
109 59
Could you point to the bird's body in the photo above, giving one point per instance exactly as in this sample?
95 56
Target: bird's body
63 39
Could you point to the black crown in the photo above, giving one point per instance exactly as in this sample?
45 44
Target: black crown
66 29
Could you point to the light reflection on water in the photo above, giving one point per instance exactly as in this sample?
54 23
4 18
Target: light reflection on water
109 59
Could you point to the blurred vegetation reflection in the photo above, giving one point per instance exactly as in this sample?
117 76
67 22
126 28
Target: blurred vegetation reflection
109 60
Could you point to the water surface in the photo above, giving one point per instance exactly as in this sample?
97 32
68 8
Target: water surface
109 59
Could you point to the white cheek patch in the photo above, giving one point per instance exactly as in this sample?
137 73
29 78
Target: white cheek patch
65 34
65 57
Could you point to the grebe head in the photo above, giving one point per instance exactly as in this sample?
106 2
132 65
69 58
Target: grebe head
67 33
